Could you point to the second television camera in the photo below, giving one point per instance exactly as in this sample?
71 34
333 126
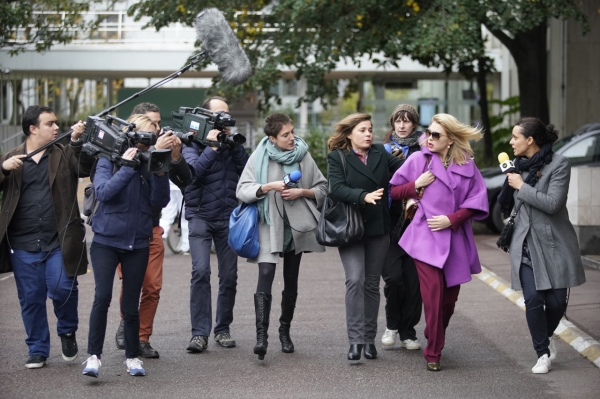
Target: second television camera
195 123
102 138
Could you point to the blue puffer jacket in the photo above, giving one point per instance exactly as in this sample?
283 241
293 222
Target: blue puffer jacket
124 216
211 196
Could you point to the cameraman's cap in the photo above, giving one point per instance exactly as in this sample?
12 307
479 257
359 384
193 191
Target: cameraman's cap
404 107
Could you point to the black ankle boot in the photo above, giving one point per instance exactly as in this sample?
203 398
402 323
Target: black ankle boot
262 307
355 351
370 351
288 304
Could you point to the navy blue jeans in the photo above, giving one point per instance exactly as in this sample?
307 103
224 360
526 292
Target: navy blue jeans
543 310
133 266
202 233
36 281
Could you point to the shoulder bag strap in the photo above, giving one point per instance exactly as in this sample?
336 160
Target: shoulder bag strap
343 159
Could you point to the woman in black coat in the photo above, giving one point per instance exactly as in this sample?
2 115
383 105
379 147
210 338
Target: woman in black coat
365 183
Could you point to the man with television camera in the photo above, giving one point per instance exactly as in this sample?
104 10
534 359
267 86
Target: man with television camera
209 200
42 235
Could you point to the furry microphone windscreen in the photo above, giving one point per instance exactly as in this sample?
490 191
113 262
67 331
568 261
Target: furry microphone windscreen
223 47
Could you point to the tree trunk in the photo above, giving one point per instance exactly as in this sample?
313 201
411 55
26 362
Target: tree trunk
531 59
360 105
485 113
529 52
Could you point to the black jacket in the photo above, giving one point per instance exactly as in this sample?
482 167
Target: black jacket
211 196
362 179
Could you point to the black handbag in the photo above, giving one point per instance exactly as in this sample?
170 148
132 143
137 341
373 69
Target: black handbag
340 223
507 232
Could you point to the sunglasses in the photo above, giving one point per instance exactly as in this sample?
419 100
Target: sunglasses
434 135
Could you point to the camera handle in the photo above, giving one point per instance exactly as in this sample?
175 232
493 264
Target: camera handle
195 59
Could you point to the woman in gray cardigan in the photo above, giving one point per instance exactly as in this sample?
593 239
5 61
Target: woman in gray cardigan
544 253
288 216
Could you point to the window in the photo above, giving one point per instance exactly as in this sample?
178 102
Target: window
585 151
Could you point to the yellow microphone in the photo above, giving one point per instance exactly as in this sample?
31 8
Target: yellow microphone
506 165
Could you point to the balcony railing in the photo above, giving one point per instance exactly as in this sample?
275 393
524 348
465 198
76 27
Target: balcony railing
115 27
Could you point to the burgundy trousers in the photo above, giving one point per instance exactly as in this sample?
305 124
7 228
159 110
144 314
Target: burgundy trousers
438 306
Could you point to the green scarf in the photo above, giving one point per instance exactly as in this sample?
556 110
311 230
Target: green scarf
290 159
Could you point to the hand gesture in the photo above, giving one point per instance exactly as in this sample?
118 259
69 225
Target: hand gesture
290 194
176 149
437 223
373 197
212 135
130 153
164 141
515 180
277 186
424 180
78 129
14 162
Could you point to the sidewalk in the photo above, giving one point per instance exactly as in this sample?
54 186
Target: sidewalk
582 329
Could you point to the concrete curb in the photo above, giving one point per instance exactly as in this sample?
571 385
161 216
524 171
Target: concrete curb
590 262
567 331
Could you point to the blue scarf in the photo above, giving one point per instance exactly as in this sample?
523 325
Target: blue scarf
290 159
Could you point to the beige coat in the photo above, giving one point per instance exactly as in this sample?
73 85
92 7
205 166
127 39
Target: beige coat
303 215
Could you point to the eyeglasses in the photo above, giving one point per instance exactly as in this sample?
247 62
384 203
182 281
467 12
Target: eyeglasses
434 135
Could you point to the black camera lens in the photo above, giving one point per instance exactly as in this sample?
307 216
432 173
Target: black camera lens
231 140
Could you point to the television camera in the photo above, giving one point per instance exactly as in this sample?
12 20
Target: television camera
105 138
193 124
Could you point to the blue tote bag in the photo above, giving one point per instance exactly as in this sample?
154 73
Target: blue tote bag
243 231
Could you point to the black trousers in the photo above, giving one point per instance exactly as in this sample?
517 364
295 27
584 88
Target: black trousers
402 292
543 310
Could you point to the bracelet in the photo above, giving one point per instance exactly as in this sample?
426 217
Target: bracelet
260 191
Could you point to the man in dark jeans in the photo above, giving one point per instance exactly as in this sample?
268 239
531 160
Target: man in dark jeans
41 232
209 201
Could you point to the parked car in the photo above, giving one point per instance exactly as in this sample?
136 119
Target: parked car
582 148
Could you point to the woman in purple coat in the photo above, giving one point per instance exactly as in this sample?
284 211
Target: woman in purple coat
439 238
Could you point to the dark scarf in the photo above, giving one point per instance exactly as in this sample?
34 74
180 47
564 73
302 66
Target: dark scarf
522 164
405 143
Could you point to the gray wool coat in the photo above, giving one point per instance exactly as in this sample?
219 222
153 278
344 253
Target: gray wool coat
543 219
303 215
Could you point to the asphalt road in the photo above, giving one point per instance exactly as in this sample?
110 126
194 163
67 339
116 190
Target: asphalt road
488 351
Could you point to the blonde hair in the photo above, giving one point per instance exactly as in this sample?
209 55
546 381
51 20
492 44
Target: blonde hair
142 122
461 134
341 131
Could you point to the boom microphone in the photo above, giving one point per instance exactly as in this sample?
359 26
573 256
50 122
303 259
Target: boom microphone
223 47
506 165
291 179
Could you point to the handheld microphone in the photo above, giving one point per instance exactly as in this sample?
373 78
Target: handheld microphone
506 165
291 179
222 46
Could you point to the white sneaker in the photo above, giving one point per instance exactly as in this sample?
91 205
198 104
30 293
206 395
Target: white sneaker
542 366
389 337
410 344
134 366
92 366
552 347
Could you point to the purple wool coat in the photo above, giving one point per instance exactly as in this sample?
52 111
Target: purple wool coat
458 187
